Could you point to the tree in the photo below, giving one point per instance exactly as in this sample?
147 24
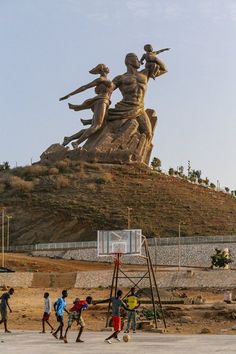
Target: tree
196 173
156 164
5 166
171 171
227 189
180 170
206 181
189 168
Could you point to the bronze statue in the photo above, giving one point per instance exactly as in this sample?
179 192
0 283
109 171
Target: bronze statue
133 86
122 134
98 104
152 63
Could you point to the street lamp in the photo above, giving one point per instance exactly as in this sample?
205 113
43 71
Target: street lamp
8 231
128 216
179 256
3 219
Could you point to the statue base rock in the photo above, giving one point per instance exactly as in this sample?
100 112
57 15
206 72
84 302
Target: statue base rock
117 142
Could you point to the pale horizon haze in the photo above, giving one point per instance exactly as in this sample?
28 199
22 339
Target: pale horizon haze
48 47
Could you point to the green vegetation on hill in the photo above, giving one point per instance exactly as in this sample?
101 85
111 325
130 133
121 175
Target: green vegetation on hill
70 200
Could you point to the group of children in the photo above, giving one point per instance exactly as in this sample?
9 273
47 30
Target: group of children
130 304
74 315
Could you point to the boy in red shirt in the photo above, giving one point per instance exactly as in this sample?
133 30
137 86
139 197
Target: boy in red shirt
75 315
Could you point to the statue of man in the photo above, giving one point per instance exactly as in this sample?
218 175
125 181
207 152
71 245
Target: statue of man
133 86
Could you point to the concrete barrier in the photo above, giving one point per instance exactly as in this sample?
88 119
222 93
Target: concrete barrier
93 279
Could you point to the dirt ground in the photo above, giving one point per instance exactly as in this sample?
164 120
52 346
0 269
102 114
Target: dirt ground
214 316
22 262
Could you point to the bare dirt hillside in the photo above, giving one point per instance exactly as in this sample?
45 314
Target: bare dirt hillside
69 201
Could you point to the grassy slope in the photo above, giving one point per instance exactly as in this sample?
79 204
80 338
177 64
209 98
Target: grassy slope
72 204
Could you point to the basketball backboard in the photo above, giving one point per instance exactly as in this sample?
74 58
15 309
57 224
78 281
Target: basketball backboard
119 241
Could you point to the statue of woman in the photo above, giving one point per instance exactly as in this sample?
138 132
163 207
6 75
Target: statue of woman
98 104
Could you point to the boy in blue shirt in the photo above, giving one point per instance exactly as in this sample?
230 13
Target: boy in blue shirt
60 307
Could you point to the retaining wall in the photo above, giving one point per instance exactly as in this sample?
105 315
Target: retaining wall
17 280
190 255
165 279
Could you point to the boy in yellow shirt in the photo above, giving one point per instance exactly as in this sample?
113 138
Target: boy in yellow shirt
132 303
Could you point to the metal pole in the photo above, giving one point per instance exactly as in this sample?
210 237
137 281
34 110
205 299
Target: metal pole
155 253
150 281
117 272
3 217
179 246
128 217
157 291
111 293
8 231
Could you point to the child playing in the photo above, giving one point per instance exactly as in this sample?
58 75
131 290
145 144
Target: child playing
152 63
60 307
117 303
47 312
75 315
4 306
133 303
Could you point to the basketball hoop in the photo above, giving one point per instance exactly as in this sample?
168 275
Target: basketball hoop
116 243
123 242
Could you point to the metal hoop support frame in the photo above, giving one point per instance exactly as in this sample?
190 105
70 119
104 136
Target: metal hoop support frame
118 273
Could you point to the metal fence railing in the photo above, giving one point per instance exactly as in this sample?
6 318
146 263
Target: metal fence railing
164 241
191 240
54 246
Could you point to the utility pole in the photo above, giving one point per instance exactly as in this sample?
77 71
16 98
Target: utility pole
179 247
129 217
3 219
8 231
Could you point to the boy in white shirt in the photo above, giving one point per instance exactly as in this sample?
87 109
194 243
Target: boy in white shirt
47 312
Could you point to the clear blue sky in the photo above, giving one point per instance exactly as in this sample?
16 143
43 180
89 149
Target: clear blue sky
48 46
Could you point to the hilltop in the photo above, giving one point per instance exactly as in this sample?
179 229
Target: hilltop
70 200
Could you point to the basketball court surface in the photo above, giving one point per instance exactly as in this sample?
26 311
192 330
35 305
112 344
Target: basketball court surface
141 343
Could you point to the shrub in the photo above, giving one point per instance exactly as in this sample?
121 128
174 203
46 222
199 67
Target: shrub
171 171
63 165
206 181
100 180
91 187
36 170
62 182
221 258
212 185
105 178
2 187
180 170
53 171
5 166
18 183
193 178
156 164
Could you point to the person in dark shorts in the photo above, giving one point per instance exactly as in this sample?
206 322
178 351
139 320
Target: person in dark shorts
4 306
60 307
117 303
47 312
75 315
